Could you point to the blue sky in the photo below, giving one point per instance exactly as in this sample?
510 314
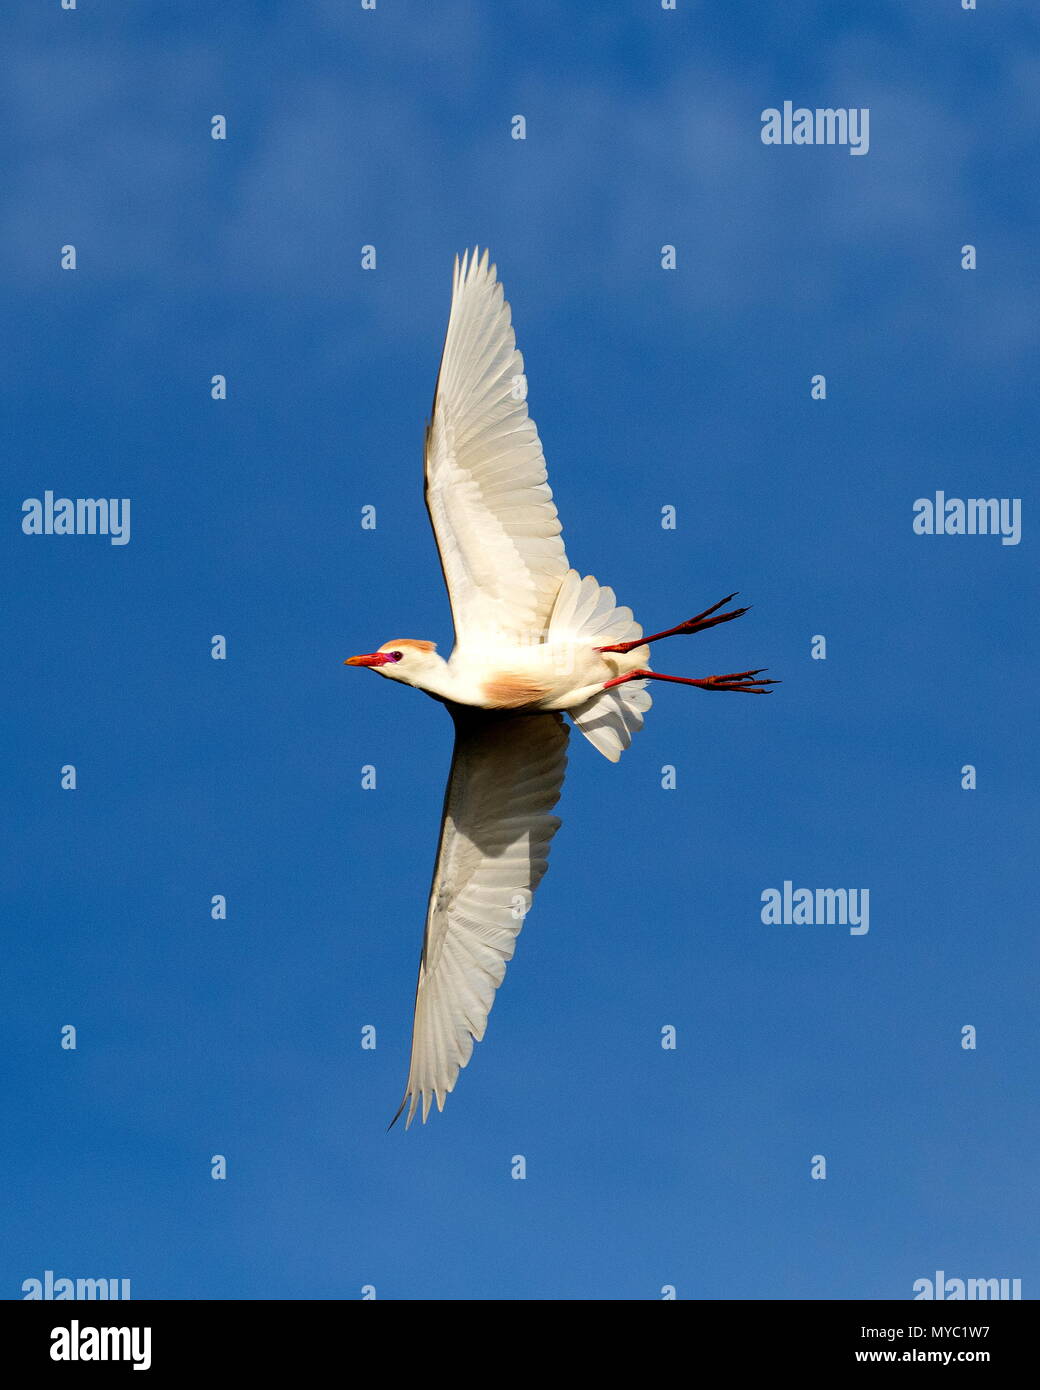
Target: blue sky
645 1167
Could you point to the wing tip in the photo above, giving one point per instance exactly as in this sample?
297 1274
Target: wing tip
473 265
427 1098
409 1095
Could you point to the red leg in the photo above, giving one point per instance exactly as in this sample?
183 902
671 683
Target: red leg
698 624
737 680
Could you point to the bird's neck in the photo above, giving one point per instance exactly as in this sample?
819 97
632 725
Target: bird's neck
437 680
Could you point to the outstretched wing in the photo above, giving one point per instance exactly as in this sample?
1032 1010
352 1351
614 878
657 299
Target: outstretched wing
491 508
505 779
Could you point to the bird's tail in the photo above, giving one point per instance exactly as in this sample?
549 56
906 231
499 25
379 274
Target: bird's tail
587 612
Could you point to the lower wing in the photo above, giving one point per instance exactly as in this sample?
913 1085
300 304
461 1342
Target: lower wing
505 779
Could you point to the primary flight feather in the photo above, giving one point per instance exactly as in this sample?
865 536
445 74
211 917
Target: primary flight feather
532 638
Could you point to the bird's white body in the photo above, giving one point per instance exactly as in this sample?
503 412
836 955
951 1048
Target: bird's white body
560 675
530 633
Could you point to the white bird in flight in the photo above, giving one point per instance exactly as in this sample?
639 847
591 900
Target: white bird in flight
532 638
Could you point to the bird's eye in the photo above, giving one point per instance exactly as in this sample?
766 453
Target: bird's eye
396 655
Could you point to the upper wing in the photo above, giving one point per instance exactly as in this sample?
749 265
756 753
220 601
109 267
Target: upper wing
491 508
506 775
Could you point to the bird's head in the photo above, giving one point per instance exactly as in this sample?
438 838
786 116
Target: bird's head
405 659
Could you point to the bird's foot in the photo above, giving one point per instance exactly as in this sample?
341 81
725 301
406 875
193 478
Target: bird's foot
745 681
697 624
739 680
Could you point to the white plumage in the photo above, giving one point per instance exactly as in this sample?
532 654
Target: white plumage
506 776
532 638
491 507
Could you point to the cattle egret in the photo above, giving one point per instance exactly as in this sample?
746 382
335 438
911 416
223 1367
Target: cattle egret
532 638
